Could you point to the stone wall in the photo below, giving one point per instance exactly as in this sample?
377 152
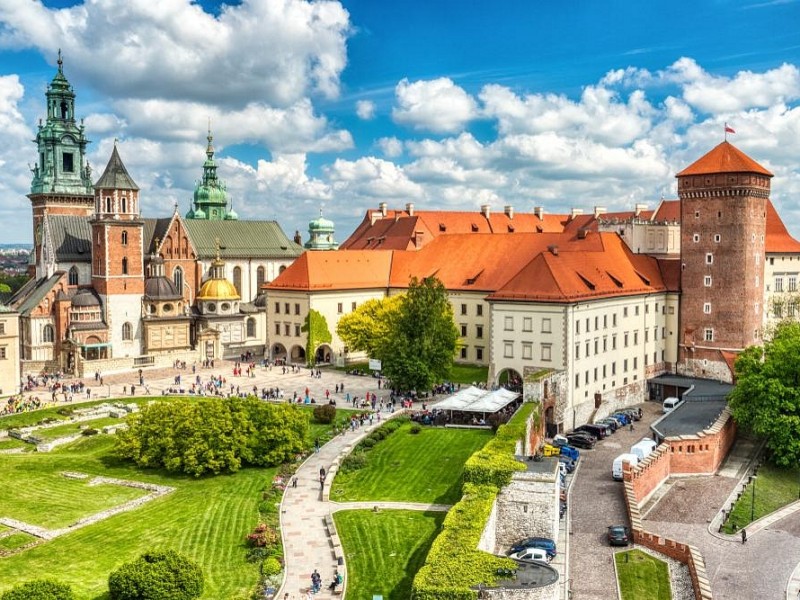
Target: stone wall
120 365
488 541
527 507
547 592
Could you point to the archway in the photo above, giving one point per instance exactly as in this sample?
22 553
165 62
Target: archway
550 426
324 354
510 379
297 355
279 353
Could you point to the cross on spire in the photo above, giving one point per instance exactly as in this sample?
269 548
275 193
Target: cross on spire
60 62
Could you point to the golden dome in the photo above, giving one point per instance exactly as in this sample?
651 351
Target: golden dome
218 289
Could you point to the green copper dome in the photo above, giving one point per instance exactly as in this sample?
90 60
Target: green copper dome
320 232
210 195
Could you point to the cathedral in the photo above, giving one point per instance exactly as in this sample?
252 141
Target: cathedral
112 290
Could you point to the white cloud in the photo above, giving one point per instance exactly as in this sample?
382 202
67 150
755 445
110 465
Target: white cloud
371 177
365 109
276 50
437 105
285 179
390 146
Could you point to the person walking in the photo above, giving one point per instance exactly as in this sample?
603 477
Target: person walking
316 445
744 535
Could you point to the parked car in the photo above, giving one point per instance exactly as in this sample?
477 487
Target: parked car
562 509
611 422
618 535
570 452
635 413
544 543
569 463
671 404
560 440
616 466
597 431
531 554
643 448
625 418
582 441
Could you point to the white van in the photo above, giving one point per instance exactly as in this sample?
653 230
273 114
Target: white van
643 449
616 466
671 404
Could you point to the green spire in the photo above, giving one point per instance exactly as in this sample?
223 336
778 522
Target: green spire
62 167
210 196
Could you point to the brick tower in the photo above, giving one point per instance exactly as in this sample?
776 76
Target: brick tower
62 178
117 251
723 222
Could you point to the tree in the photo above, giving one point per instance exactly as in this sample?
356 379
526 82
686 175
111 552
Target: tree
157 576
766 399
366 328
40 589
422 339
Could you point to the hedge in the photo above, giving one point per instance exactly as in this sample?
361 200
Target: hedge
454 564
40 589
494 464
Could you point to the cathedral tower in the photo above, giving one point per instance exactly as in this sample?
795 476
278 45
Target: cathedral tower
723 198
117 251
62 178
210 197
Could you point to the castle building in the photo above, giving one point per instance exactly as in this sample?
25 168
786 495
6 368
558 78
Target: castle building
112 290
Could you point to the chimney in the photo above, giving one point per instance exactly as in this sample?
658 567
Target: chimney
575 212
410 209
539 211
485 210
640 208
383 208
419 236
509 210
553 250
599 210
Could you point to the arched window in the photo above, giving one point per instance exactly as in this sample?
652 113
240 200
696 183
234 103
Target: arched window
73 276
237 279
127 331
282 269
251 327
177 279
48 335
259 279
124 266
124 235
124 204
108 204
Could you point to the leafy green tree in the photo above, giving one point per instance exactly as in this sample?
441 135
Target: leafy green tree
157 576
422 339
766 399
366 328
40 589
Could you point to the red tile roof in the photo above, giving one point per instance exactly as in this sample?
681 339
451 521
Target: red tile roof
668 211
336 270
778 239
670 273
724 158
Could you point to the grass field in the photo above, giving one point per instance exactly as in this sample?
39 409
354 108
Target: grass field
15 540
642 577
774 488
384 550
423 467
52 433
27 419
468 374
11 443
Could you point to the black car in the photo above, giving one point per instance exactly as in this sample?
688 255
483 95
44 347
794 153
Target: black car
597 431
581 441
545 544
610 421
618 535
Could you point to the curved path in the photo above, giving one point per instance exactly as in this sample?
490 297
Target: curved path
309 539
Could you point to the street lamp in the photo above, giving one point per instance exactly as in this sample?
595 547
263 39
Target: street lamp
753 479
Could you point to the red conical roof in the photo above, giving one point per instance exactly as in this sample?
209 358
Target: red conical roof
725 158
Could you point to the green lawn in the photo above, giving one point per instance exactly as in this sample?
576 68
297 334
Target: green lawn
15 540
384 550
468 374
775 487
423 467
9 443
72 428
642 577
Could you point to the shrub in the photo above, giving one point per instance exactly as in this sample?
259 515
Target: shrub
415 429
272 566
354 461
66 411
368 443
325 413
264 536
40 589
89 431
157 575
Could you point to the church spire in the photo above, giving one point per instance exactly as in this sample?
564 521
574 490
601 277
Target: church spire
210 195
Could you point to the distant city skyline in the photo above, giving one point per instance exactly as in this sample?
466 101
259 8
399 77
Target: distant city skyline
445 104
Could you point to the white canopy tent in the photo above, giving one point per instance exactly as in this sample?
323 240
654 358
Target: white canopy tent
476 400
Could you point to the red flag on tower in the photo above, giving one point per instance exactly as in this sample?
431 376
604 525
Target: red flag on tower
729 129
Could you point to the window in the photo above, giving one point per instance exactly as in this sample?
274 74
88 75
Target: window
635 338
614 342
463 330
717 238
625 343
588 353
277 328
605 321
779 284
478 353
709 258
67 162
614 320
177 279
792 283
48 334
463 309
696 238
708 335
124 266
237 280
353 306
625 365
286 329
508 350
297 330
509 324
2 328
479 332
547 350
124 205
124 238
577 326
3 354
260 277
706 282
777 310
286 308
297 308
251 327
577 380
614 368
108 204
463 352
697 214
635 362
707 308
527 324
127 331
596 347
277 308
73 276
625 312
527 350
605 344
596 323
587 325
479 310
636 310
577 351
546 325
339 308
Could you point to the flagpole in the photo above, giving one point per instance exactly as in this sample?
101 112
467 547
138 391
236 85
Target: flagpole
725 131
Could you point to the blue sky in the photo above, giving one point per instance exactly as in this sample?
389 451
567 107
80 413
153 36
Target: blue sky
445 104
